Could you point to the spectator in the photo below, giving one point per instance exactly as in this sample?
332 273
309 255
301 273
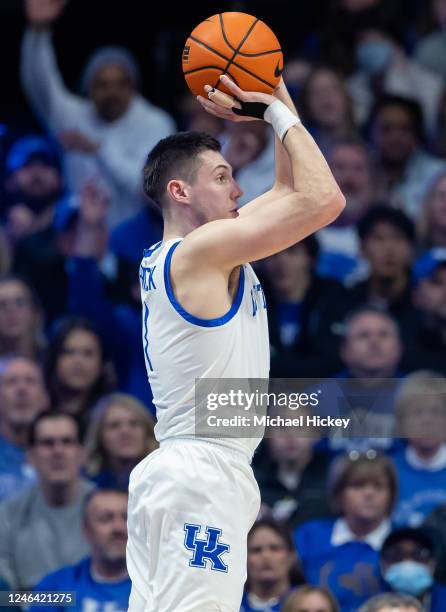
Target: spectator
326 107
371 346
351 164
76 372
249 148
430 51
405 169
41 527
292 481
33 185
431 222
387 243
383 68
342 554
87 297
22 397
395 602
430 297
303 311
370 350
43 258
119 436
21 322
272 568
408 563
107 135
101 581
420 410
309 598
436 525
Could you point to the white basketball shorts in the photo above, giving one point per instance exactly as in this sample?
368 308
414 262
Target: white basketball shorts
191 505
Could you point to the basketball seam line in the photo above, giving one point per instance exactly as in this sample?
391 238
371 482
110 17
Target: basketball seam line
217 68
241 52
234 55
225 58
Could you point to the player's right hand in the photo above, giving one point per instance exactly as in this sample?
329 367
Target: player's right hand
260 100
41 13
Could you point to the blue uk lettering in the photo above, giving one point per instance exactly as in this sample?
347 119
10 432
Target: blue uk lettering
146 278
254 291
205 549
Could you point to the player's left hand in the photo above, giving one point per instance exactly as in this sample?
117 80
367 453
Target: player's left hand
212 105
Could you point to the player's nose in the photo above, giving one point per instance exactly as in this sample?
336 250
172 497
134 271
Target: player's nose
238 191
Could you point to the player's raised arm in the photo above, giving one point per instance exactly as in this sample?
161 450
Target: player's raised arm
310 202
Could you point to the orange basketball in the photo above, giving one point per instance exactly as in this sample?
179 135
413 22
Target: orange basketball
236 44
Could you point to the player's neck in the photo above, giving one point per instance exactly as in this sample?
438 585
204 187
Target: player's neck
177 228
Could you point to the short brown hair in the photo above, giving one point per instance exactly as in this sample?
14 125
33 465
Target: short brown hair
296 598
368 466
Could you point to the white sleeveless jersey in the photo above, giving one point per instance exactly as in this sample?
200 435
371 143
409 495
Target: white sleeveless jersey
179 347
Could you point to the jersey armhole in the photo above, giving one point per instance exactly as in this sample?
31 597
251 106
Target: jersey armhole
187 315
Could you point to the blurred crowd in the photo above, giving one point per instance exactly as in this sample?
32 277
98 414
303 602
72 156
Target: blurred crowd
351 524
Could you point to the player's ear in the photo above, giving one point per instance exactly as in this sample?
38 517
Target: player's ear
178 191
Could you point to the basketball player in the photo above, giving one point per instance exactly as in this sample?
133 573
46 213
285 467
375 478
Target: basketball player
193 501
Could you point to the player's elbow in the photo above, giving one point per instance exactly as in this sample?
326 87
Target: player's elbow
334 203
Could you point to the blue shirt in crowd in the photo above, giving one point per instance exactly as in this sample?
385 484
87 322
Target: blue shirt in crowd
15 473
91 595
421 489
349 570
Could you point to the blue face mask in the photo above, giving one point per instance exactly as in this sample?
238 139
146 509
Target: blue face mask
374 56
409 577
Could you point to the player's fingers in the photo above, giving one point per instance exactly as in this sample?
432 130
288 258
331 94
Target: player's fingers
229 83
222 99
214 109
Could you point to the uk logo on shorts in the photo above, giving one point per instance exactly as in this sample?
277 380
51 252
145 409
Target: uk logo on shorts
205 549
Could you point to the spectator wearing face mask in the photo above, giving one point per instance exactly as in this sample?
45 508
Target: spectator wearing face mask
408 563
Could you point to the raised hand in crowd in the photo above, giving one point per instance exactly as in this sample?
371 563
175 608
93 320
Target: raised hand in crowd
42 13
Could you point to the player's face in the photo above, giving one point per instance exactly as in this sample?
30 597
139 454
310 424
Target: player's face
269 559
16 310
22 393
214 192
80 361
366 499
57 454
106 525
372 344
111 92
123 434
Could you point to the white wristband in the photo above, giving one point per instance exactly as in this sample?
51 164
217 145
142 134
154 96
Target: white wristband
281 118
